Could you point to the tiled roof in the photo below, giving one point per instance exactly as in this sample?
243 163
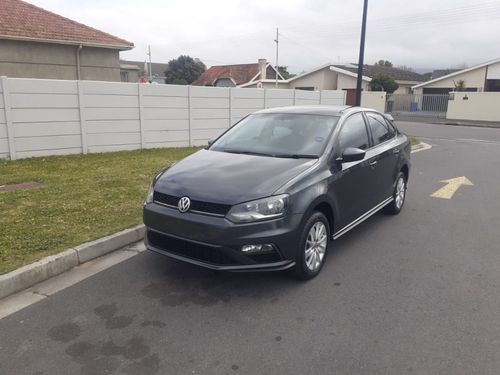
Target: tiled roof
240 73
394 73
23 21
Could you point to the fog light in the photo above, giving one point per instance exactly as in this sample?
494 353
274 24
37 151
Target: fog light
257 249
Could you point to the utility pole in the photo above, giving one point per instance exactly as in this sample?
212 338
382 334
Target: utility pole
277 43
150 72
361 55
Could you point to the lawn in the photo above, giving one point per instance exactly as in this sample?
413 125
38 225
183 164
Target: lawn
83 197
414 141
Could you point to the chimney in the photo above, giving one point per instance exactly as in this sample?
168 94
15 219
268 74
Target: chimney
262 68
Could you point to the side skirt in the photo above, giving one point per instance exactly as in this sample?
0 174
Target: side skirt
362 218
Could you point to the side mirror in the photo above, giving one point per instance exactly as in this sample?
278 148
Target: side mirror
353 154
210 142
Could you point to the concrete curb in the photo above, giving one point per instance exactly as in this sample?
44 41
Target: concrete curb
53 265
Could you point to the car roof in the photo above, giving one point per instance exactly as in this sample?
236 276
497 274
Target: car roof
325 110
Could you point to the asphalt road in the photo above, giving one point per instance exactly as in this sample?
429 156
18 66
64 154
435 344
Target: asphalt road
418 293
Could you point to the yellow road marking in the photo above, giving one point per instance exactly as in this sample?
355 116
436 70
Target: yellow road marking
451 187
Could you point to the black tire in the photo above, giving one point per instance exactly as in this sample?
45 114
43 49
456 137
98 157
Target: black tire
396 205
301 269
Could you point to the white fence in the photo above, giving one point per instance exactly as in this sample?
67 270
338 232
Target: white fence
53 117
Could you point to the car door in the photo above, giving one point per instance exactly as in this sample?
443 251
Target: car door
351 184
384 153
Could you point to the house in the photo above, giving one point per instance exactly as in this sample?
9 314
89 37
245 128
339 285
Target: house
261 74
36 43
137 70
404 78
330 77
481 77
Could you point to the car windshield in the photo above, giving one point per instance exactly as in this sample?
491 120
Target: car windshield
278 135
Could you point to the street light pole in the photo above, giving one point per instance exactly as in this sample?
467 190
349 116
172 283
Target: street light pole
277 40
361 55
150 71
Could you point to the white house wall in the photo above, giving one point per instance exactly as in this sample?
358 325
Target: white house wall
493 71
473 79
315 79
347 82
52 117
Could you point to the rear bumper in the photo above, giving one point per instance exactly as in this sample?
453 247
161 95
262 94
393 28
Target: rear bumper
215 242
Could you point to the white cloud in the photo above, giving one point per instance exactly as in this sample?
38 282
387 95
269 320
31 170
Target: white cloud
424 34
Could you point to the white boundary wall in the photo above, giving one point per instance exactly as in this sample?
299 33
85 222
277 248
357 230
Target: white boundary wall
374 100
54 117
475 106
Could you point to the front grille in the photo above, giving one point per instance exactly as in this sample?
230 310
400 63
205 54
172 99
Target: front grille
204 207
165 198
189 249
265 258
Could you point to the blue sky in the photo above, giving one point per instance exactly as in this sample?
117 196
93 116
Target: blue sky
421 34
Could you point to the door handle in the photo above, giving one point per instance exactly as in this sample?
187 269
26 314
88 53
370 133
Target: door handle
396 151
373 163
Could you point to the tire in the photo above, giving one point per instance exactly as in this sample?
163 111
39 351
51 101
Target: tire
398 195
308 267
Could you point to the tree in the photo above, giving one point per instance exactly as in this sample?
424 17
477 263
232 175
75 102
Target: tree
459 85
382 82
184 70
384 63
284 72
406 68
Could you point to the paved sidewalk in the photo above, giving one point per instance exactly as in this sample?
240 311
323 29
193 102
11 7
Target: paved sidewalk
444 121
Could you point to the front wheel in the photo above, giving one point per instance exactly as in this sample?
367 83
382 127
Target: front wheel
398 196
313 247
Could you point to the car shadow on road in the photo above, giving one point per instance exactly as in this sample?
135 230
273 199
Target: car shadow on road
176 283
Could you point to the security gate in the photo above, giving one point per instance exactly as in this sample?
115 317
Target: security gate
417 105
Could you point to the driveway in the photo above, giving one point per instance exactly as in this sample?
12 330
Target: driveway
418 293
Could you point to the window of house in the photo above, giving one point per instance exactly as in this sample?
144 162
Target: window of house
124 76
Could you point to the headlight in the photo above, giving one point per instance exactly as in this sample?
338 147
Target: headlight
149 197
262 209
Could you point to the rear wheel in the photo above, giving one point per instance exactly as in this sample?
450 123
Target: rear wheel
398 196
313 247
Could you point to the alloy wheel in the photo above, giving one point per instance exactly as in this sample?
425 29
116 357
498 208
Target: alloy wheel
315 247
400 192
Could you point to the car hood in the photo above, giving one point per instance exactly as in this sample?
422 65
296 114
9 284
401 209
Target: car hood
227 178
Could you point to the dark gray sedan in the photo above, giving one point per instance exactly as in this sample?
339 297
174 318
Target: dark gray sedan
272 191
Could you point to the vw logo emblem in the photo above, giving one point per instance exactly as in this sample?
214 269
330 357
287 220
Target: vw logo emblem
184 204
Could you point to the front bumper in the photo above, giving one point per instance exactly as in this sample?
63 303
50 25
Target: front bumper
215 242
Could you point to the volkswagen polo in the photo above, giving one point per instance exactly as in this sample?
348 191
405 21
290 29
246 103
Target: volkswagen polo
275 189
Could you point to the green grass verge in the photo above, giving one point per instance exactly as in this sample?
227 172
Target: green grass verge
414 141
84 197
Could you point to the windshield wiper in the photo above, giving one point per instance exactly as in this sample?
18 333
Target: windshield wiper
290 156
296 156
232 151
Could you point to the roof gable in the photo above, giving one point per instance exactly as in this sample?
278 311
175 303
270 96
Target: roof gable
337 68
240 73
395 73
20 20
457 73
